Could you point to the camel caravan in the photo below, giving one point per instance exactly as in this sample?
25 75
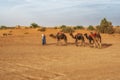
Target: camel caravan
93 38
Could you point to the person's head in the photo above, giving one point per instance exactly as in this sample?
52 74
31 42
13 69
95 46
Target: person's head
42 34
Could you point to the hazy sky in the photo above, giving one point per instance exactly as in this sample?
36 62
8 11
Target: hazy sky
58 12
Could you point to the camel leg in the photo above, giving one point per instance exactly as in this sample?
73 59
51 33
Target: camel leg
65 42
100 45
90 42
83 42
76 42
58 42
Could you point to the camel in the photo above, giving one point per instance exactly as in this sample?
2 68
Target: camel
77 37
94 39
59 36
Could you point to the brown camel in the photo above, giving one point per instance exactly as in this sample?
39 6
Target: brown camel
94 38
77 37
59 36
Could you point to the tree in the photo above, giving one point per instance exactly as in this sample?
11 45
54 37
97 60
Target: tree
79 27
67 30
63 26
34 25
105 26
91 27
117 29
3 27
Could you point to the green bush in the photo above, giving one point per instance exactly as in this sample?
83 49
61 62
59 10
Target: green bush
78 27
42 29
90 27
63 26
34 25
3 27
105 27
67 30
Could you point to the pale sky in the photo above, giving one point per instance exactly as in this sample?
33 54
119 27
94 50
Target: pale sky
58 12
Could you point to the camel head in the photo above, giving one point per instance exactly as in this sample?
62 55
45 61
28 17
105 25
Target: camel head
71 34
86 35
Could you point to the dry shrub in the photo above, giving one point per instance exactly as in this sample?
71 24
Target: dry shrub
26 33
117 30
42 29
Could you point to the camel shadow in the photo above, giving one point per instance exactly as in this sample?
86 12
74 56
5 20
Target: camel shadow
51 44
106 45
62 44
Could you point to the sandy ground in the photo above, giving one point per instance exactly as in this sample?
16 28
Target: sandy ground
22 57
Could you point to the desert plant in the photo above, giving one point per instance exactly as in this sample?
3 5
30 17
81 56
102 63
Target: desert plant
78 27
90 27
117 29
55 28
3 27
105 26
42 29
34 25
63 26
67 30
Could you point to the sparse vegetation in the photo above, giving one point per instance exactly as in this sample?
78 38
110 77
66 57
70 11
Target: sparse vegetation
105 27
55 28
5 34
117 29
78 27
3 27
34 25
67 30
63 26
90 27
42 29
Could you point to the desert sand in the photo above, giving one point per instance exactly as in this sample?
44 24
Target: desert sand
22 57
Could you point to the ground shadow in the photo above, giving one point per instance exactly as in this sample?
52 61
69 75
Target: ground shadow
51 44
106 45
62 44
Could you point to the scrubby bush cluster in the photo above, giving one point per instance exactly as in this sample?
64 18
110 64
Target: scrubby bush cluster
117 29
42 29
3 27
78 27
34 25
105 27
90 27
66 29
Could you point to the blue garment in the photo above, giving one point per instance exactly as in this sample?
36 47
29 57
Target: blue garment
43 40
